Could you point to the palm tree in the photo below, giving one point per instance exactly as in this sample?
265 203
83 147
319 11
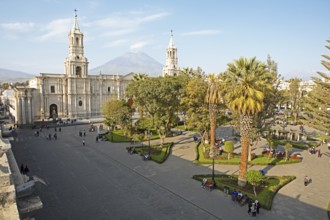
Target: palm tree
213 98
246 80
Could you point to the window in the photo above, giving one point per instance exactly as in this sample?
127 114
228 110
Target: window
52 89
80 103
109 89
78 71
77 41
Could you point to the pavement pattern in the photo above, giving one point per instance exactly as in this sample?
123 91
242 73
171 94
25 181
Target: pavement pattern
102 181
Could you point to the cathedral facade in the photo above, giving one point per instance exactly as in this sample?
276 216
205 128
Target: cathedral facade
74 94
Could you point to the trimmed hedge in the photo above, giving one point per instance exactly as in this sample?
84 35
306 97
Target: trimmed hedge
265 193
164 152
235 159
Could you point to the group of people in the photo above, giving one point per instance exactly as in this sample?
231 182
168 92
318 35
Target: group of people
82 132
312 150
253 207
242 199
24 169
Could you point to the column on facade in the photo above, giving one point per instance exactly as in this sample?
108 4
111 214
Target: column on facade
23 111
19 111
29 110
69 97
42 104
101 91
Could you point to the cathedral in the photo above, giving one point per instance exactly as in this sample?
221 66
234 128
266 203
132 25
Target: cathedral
75 94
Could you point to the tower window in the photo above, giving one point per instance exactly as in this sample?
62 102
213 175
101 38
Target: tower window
52 89
78 71
80 103
77 41
109 89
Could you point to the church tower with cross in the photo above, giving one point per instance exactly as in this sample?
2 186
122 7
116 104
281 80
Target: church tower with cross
171 67
76 64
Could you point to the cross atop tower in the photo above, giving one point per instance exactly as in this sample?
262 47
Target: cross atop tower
75 12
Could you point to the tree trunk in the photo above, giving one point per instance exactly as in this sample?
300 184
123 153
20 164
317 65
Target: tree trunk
249 153
245 121
254 190
212 109
295 114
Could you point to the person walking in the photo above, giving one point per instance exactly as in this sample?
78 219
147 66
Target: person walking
83 142
257 206
26 169
319 153
22 169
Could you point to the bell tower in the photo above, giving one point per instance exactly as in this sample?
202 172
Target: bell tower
76 64
171 68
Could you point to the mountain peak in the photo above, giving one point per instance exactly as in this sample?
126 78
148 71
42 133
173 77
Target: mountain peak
132 61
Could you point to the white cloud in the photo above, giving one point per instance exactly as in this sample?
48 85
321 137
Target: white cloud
202 32
56 29
118 32
116 43
128 20
18 26
138 45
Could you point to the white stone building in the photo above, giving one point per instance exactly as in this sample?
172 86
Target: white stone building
74 94
171 67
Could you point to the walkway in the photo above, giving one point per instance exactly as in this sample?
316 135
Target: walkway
294 201
102 181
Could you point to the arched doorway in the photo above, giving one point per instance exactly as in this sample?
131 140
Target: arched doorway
53 111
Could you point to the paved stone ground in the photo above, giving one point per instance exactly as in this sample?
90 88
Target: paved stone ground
294 201
102 181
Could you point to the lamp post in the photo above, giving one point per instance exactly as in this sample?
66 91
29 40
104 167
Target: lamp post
212 155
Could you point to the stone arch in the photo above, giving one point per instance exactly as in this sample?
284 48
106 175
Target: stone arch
53 113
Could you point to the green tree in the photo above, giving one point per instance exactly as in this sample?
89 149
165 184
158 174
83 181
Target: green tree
116 112
245 78
317 102
272 145
229 148
192 102
255 178
213 98
288 148
294 95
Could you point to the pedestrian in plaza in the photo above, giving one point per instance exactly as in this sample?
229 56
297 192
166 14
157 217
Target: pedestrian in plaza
55 129
257 206
49 136
55 136
249 206
319 153
84 133
83 142
59 129
80 134
22 169
26 169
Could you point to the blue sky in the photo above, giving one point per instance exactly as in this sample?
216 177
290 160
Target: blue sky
209 34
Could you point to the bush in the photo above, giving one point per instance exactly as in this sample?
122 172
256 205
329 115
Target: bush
266 191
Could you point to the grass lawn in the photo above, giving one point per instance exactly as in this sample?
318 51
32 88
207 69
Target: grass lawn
299 145
158 154
235 159
118 136
265 192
